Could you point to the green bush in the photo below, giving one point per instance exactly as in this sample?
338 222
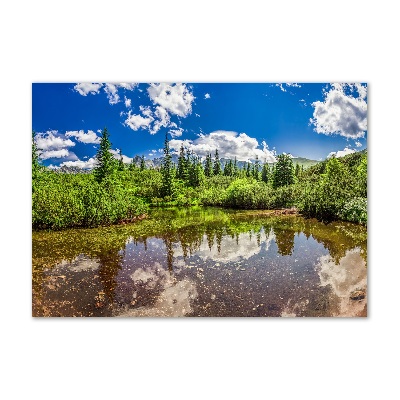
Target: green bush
355 210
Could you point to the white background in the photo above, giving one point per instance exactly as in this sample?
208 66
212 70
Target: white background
299 41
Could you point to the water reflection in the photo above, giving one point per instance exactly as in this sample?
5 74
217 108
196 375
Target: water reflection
346 277
206 262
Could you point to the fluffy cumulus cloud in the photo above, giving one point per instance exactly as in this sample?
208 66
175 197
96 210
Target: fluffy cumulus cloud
229 144
137 121
116 155
52 144
175 98
167 100
88 88
81 136
54 154
207 96
358 143
176 132
128 102
52 140
341 153
89 164
111 89
342 112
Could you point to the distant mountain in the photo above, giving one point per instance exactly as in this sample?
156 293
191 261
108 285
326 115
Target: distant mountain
156 162
305 162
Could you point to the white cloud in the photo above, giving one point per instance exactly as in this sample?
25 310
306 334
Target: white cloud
112 93
197 115
116 155
293 85
229 145
128 102
207 96
85 88
111 89
52 140
341 153
89 164
162 119
358 143
176 132
54 154
81 136
175 98
136 121
280 86
342 112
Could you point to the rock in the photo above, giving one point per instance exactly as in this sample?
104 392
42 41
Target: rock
357 294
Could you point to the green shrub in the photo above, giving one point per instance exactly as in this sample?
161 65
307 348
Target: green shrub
355 210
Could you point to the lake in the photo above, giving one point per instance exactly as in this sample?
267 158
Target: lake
206 262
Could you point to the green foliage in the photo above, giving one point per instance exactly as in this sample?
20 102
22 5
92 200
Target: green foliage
183 170
105 160
142 164
355 210
284 172
208 167
265 173
217 170
67 200
362 176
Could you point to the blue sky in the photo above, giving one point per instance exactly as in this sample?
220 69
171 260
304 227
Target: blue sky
245 120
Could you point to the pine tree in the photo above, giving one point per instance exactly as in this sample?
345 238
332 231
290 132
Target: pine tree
121 166
142 164
256 169
283 172
105 160
182 171
208 168
217 165
265 173
248 170
196 172
228 170
167 170
235 169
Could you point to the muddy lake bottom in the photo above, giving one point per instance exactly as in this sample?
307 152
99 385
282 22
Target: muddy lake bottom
204 262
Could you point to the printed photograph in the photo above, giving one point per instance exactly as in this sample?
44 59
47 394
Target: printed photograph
199 199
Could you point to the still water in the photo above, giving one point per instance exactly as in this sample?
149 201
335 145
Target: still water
202 262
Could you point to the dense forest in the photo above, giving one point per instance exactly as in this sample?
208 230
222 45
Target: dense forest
114 192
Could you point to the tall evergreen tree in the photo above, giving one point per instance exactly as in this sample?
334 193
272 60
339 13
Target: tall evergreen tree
256 169
142 164
167 170
196 172
265 173
105 160
235 168
284 171
217 170
228 170
208 168
248 170
121 165
182 170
